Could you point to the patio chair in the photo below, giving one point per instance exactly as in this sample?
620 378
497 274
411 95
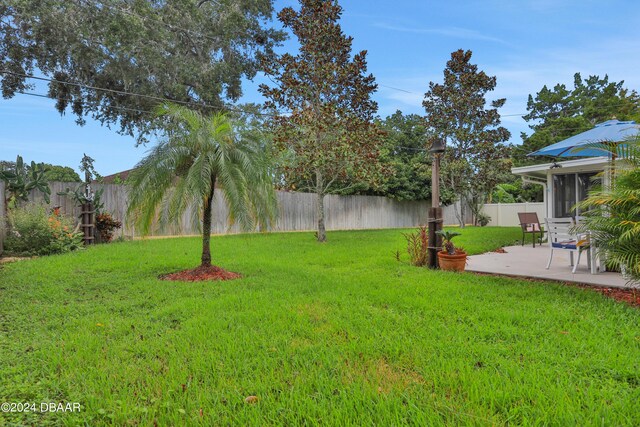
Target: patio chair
561 237
530 224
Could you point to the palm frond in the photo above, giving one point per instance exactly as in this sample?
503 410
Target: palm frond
199 152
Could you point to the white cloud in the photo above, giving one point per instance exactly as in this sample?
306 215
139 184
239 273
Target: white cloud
524 74
454 32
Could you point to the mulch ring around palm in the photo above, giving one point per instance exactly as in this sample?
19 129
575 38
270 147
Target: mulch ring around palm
201 273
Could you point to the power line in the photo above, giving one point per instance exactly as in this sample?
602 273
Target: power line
134 94
115 107
116 91
227 108
512 146
399 90
174 27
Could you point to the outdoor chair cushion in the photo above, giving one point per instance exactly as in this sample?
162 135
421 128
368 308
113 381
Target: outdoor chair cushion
532 227
566 244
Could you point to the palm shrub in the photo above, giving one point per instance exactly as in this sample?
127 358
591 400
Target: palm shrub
447 240
612 213
199 155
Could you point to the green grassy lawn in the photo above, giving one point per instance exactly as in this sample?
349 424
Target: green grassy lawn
333 334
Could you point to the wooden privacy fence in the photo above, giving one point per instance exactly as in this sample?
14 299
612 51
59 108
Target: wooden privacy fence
296 212
2 222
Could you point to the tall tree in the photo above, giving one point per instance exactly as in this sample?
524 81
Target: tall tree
559 113
202 153
456 112
61 173
53 172
327 135
405 155
98 51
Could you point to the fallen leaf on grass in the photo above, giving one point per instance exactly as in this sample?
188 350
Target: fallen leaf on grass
251 399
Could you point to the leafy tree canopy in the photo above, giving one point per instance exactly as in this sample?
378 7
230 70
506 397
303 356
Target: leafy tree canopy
61 174
456 111
97 51
404 154
559 113
328 136
52 172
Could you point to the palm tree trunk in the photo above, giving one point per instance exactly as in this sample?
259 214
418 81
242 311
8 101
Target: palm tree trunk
206 227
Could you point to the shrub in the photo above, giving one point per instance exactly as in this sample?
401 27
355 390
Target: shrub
33 231
483 219
447 241
418 246
106 226
612 214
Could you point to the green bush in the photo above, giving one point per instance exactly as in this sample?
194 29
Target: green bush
33 231
106 225
483 219
612 213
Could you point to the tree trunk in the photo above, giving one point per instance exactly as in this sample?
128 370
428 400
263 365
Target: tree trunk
459 212
206 226
322 233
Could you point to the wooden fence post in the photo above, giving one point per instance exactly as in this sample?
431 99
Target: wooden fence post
88 223
435 239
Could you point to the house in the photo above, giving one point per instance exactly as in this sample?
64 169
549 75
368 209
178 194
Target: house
568 182
564 183
116 178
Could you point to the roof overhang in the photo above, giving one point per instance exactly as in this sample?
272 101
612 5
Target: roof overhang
587 164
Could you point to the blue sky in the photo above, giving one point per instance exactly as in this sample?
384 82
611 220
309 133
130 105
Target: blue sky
526 44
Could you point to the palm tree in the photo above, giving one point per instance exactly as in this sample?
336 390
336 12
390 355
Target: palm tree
202 153
613 211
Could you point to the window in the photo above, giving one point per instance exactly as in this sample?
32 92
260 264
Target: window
568 190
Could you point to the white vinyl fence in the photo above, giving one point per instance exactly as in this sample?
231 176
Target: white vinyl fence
506 214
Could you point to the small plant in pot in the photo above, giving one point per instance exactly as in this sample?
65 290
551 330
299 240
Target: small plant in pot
451 258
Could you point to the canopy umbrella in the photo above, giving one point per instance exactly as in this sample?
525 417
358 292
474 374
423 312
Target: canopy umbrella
610 131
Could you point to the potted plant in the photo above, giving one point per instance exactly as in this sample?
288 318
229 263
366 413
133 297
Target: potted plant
451 258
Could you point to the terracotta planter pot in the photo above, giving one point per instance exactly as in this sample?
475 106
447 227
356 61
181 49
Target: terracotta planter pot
455 262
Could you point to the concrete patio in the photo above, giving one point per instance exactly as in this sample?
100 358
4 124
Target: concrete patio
526 261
